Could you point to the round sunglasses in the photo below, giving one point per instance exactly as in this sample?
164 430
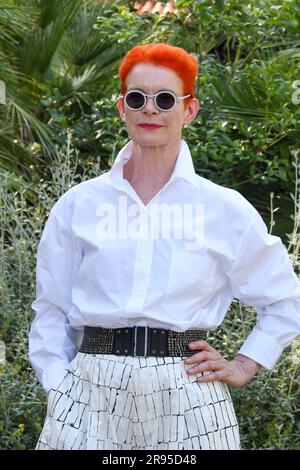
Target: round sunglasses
163 100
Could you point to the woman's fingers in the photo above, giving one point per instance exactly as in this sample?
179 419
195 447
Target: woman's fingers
200 344
212 364
211 377
208 366
219 370
203 356
206 352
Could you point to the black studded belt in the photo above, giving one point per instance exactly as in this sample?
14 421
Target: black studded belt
138 341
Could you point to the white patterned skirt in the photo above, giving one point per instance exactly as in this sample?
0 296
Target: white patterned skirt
135 403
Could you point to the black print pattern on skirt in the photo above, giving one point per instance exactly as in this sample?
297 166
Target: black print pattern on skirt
123 403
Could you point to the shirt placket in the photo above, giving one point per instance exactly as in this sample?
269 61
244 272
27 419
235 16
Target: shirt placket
142 270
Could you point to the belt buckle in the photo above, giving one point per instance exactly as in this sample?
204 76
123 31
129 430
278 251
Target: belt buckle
140 341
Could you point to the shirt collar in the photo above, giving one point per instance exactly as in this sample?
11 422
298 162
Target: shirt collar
184 167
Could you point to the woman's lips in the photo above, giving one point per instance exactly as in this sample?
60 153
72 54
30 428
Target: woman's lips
150 127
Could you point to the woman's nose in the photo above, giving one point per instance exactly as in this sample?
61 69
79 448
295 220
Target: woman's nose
150 106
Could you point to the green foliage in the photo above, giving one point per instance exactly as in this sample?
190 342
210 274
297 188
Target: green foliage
50 50
267 407
22 401
248 62
59 61
248 125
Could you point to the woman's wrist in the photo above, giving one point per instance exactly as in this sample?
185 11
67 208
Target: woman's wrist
247 365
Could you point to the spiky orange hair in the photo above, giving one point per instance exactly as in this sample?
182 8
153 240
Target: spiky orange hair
164 55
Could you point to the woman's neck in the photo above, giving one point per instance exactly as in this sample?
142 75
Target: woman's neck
151 167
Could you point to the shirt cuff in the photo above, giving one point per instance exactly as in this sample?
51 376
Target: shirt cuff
53 375
261 348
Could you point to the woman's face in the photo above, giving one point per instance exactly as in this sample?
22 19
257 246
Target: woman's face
152 79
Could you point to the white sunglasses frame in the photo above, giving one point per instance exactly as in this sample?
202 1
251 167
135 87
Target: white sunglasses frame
146 96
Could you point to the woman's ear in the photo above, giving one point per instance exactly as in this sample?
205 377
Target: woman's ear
191 111
121 109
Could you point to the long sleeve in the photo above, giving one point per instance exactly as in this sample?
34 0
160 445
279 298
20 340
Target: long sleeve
262 277
85 277
52 340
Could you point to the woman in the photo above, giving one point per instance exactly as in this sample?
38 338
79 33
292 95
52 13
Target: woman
141 261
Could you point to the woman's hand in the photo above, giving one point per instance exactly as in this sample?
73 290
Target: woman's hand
234 373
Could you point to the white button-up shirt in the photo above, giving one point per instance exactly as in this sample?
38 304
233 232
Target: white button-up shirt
106 259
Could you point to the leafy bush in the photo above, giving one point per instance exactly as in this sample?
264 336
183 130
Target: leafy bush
22 401
267 407
63 92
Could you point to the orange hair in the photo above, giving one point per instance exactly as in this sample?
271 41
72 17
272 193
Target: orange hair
161 54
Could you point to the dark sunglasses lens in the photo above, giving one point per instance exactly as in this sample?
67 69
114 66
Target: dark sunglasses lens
135 100
165 101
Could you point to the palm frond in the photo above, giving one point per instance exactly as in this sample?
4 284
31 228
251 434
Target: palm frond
14 157
240 100
289 54
14 183
15 21
41 45
81 43
29 125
